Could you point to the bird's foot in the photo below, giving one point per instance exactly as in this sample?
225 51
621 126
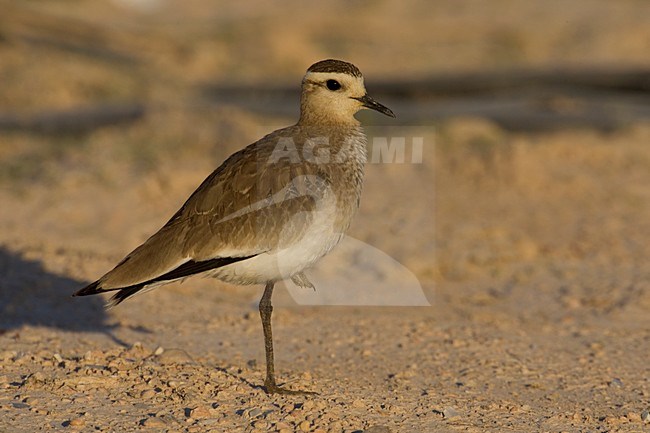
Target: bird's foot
301 280
270 387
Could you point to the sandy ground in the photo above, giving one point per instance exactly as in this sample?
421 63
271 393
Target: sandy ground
531 248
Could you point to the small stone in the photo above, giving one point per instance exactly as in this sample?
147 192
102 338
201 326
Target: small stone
450 413
261 425
154 422
634 417
148 393
336 426
77 422
616 382
200 412
645 416
282 426
358 404
305 426
174 356
159 351
37 377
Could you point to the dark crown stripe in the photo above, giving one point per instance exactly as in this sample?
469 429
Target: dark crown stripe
332 65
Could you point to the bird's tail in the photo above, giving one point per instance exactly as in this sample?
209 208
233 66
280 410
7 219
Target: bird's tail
122 294
181 272
90 289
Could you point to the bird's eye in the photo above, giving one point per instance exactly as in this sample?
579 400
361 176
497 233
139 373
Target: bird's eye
333 84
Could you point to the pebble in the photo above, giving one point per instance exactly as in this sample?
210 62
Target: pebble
645 416
200 412
305 426
450 413
336 426
77 422
358 404
154 422
148 393
254 412
261 424
616 382
174 356
35 378
633 417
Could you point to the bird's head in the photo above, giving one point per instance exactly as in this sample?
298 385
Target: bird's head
333 91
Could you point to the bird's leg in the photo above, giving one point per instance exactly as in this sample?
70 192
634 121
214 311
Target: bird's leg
266 309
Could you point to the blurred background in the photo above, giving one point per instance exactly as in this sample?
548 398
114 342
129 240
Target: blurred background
534 114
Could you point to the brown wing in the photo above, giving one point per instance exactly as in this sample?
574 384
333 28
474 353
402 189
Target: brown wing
235 212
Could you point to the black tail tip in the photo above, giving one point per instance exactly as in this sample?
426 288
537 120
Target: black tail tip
90 289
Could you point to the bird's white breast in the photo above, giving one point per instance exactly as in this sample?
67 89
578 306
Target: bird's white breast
282 263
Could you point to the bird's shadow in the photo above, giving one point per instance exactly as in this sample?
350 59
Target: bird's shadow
32 296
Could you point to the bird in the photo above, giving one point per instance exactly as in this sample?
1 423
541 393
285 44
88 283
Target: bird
270 210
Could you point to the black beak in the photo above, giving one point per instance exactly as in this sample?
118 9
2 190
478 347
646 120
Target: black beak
368 102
